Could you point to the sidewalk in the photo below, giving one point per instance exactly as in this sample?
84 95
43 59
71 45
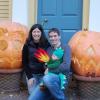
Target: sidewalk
23 95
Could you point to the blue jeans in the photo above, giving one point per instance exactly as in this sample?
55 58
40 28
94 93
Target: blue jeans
53 92
37 79
38 94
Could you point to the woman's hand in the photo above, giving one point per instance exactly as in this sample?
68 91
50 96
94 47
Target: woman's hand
46 71
30 82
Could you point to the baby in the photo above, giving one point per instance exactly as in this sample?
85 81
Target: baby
56 58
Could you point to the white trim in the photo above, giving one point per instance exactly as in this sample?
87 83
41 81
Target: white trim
85 20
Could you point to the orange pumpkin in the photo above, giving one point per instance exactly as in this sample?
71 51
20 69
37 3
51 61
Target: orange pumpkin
85 46
12 39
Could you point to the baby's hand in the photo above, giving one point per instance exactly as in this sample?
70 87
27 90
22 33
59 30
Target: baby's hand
54 57
58 53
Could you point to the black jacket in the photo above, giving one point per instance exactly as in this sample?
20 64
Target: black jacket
30 63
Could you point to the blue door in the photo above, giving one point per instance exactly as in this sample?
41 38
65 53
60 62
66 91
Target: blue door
63 14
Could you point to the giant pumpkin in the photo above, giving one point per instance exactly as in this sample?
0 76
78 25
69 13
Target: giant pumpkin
12 39
85 46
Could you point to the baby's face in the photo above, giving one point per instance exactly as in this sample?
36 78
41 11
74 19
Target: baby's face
54 57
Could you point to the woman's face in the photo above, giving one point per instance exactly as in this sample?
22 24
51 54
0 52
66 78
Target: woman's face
36 34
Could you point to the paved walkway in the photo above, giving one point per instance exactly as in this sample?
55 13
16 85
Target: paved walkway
22 95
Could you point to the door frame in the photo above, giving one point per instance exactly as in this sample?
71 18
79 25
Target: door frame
32 17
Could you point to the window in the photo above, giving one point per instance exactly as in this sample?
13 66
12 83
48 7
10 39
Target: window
5 9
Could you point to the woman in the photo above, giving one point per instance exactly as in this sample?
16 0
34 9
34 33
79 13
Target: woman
34 69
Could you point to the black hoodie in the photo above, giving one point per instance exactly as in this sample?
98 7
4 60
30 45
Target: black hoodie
30 63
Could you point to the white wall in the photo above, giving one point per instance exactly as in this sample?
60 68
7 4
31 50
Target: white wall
20 12
94 19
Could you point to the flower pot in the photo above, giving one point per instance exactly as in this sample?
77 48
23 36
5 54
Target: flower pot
10 80
88 87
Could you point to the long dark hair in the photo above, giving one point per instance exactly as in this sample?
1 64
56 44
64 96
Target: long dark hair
43 40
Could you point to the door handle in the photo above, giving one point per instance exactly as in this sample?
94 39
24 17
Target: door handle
44 21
